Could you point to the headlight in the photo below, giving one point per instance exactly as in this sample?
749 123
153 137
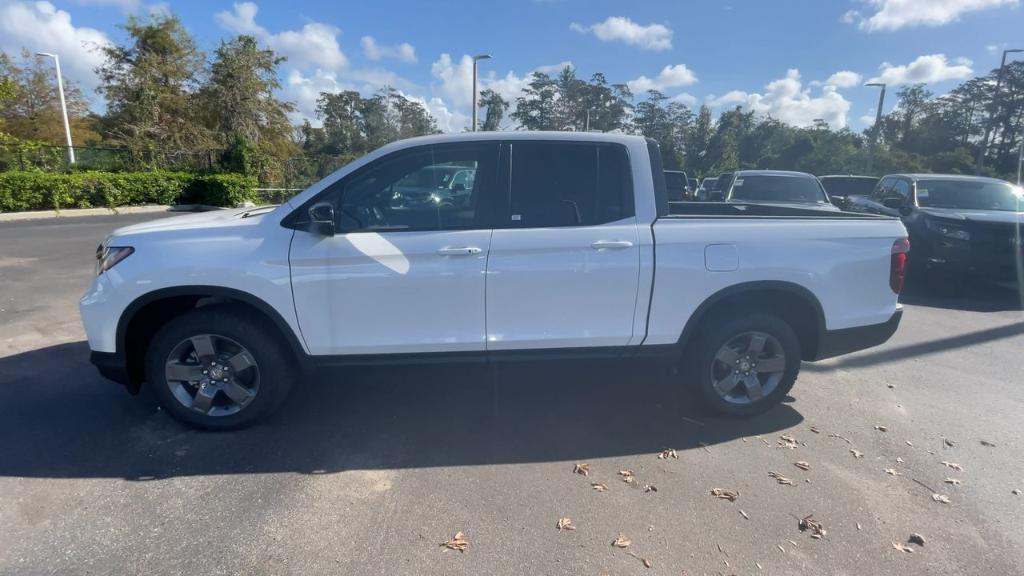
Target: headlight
948 230
107 258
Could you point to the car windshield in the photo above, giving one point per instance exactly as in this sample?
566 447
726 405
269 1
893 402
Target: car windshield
765 188
709 183
848 186
969 195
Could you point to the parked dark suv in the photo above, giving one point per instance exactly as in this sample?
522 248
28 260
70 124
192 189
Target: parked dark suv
963 223
841 187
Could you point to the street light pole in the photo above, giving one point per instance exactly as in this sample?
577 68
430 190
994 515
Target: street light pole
995 110
878 123
63 104
476 58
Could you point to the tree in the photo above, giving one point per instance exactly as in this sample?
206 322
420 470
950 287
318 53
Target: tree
150 85
31 103
668 123
240 108
568 103
495 107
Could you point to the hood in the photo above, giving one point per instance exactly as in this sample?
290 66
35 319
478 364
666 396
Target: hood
212 220
995 216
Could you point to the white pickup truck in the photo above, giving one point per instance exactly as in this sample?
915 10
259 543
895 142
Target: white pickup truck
488 246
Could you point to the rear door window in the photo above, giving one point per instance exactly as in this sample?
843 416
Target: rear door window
554 184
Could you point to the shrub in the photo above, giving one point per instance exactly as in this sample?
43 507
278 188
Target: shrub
32 190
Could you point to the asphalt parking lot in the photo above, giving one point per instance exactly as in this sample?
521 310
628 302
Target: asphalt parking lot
367 471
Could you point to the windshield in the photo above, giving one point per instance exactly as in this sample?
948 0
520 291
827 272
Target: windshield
709 183
849 186
969 195
764 188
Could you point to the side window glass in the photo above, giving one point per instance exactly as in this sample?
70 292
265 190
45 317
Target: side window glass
881 190
569 184
426 188
900 189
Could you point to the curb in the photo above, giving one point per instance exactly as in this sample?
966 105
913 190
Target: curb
81 212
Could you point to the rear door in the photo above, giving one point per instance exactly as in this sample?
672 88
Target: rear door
564 259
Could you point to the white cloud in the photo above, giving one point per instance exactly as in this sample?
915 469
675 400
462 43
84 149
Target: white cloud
851 16
374 51
669 77
844 79
685 99
622 29
928 69
41 27
896 14
787 100
315 44
456 78
555 68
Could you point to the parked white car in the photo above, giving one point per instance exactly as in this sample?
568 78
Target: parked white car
564 245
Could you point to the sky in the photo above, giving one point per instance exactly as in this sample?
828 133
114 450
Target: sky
797 60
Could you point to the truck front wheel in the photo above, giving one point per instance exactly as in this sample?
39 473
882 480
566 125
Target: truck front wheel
218 367
746 363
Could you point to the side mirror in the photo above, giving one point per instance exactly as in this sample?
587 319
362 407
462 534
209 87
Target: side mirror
894 203
321 219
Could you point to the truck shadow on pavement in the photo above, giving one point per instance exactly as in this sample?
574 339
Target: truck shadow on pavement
60 419
969 295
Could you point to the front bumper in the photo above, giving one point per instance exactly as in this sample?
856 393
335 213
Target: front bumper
838 342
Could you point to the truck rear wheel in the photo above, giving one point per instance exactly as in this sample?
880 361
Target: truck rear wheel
218 368
746 364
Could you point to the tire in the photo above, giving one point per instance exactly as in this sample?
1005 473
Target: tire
711 367
230 338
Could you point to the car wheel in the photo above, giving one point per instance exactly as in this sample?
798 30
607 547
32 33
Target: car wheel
219 367
746 364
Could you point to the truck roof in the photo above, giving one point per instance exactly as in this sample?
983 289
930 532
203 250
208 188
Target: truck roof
557 136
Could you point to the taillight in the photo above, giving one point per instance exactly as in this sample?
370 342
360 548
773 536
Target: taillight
898 264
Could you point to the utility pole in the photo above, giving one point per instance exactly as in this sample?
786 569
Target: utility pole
877 126
996 105
63 104
476 59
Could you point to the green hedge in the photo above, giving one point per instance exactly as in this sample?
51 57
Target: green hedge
27 190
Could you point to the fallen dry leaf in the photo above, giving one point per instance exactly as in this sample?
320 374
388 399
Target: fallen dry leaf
458 542
899 460
953 481
622 541
627 476
880 428
893 472
857 453
948 442
780 478
891 386
650 488
730 495
902 547
809 523
744 514
941 498
987 443
953 465
815 430
802 465
909 443
840 436
916 538
582 468
565 524
1015 492
858 526
599 486
787 441
781 549
668 453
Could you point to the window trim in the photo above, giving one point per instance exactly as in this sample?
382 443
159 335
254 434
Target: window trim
503 213
483 218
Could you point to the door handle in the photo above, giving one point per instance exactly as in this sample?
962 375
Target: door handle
458 251
611 244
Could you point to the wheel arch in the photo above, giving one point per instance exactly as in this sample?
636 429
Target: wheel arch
149 312
794 303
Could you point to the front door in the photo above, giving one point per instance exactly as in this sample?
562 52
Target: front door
406 270
564 264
